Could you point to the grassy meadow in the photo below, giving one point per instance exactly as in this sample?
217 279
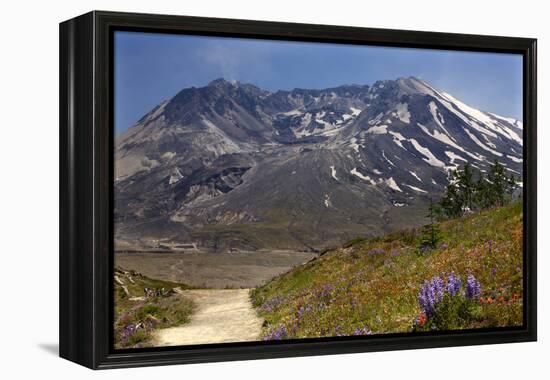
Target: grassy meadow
371 286
143 305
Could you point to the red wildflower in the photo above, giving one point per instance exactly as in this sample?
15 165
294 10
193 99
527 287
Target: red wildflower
422 319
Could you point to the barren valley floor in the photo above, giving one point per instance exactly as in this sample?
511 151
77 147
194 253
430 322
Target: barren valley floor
213 270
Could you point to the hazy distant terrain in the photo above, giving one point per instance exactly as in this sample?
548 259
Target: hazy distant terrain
213 270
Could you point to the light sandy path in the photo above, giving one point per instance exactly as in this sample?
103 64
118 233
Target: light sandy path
222 315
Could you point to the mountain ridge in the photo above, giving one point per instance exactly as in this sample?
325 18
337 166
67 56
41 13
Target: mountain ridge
232 166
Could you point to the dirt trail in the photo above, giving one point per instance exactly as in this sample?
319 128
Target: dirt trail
222 315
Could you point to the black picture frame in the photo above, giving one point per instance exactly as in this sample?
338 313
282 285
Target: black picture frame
86 188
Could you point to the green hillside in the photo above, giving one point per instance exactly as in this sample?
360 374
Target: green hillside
373 285
143 304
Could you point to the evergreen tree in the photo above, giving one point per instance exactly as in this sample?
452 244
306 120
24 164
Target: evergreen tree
451 203
459 192
431 233
512 185
463 192
482 196
499 184
466 187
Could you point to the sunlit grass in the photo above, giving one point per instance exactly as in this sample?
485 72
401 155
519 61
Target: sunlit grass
372 285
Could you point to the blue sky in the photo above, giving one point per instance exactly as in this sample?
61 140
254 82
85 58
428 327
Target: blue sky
150 68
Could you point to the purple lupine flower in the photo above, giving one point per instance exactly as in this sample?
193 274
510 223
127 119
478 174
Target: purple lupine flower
325 292
426 298
394 252
473 287
277 334
376 251
439 288
430 295
494 271
362 331
453 285
271 304
303 310
127 332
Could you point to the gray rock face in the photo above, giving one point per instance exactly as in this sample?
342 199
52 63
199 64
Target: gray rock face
231 166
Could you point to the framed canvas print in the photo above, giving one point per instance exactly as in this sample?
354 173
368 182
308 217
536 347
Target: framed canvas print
237 189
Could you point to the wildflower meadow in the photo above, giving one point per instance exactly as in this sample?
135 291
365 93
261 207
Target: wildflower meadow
471 279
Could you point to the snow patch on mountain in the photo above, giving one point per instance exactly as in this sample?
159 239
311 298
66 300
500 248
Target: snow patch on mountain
168 155
415 175
403 113
354 145
485 119
327 201
330 131
392 184
415 188
446 140
513 135
376 119
294 112
302 131
355 111
481 145
387 159
333 172
438 119
429 156
378 130
453 156
461 110
398 138
488 142
356 173
506 119
515 159
175 177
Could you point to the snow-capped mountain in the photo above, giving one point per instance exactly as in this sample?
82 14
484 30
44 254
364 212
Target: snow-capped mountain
230 165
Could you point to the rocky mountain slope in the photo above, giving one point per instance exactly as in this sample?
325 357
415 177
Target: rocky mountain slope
231 166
